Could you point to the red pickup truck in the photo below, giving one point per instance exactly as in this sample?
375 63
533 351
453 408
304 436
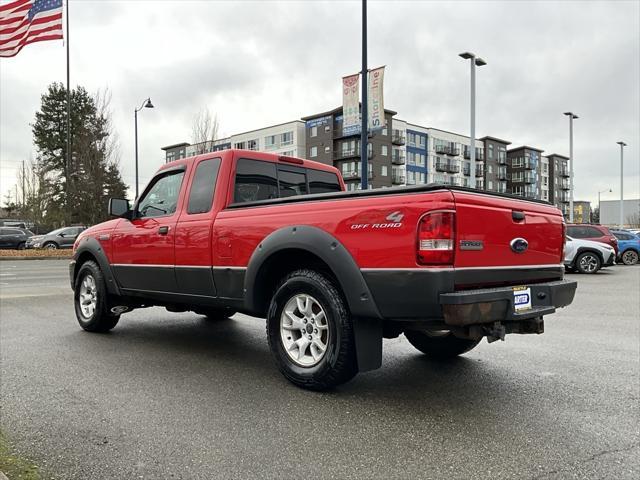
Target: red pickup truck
333 272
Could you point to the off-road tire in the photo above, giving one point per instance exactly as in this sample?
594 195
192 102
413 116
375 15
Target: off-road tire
594 260
440 347
102 320
339 363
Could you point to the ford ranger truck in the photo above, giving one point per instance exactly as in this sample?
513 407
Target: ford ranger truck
333 272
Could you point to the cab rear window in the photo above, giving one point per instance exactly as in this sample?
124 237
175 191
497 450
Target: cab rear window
259 180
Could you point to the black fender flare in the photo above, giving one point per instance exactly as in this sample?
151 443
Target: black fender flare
92 246
367 321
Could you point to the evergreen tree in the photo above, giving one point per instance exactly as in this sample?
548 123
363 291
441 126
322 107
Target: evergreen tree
76 192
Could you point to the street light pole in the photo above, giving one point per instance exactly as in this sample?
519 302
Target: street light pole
572 117
599 209
364 150
146 104
475 61
622 145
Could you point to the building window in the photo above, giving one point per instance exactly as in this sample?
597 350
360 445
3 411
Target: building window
313 152
383 171
252 144
327 149
489 168
411 158
240 145
313 132
383 150
422 140
270 142
385 131
287 138
420 159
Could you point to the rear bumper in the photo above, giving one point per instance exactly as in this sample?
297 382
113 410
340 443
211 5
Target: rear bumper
497 304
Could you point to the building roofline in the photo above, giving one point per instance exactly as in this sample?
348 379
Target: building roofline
489 137
181 144
336 110
523 147
264 128
557 155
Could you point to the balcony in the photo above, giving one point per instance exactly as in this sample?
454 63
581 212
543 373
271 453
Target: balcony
564 185
397 137
398 158
501 187
564 172
479 154
349 153
397 179
502 160
447 150
529 178
529 164
447 167
355 175
479 170
502 173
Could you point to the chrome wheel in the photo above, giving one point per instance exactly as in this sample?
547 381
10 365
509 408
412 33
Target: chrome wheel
304 330
629 257
51 246
88 296
589 263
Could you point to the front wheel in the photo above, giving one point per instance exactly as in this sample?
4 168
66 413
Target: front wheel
90 300
50 246
630 257
440 345
588 262
21 246
310 332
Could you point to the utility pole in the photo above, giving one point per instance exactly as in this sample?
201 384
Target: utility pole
572 117
24 203
364 150
68 160
475 61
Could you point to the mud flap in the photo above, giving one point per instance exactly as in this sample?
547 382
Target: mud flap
368 337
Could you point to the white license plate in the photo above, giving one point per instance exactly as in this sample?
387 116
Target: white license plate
521 299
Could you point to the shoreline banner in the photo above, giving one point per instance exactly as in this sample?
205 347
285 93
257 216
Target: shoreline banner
350 102
376 99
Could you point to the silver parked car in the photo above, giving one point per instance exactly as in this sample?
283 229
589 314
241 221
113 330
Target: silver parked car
60 238
587 256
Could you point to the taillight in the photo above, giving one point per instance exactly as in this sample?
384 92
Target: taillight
436 239
564 241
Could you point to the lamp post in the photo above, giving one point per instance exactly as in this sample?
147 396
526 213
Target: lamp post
146 104
572 117
364 120
475 61
622 145
599 209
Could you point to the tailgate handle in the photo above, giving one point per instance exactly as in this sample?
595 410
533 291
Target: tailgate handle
517 216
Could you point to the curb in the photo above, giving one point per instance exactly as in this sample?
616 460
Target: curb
7 259
3 476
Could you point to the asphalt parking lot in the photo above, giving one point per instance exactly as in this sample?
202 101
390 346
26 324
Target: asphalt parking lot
169 395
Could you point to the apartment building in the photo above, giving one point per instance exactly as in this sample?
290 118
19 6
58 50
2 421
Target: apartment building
328 142
495 164
523 167
283 139
558 182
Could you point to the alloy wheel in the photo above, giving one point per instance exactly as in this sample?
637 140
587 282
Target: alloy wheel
629 257
88 296
589 263
304 330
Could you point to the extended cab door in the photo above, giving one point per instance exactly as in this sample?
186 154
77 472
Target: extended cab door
143 248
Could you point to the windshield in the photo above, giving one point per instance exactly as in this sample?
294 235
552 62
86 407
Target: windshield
55 232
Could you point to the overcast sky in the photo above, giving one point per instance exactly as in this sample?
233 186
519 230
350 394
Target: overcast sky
261 63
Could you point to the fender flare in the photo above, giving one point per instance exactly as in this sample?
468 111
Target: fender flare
92 246
582 250
324 246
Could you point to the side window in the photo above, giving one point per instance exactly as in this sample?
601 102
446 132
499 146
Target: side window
322 182
591 232
292 182
162 198
255 180
203 186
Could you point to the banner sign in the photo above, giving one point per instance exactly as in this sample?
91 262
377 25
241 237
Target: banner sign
318 122
350 102
376 100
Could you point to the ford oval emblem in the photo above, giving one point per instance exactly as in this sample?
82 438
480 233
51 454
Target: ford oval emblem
519 245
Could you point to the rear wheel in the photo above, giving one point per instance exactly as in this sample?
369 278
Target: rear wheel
588 262
50 246
630 257
90 300
310 332
439 345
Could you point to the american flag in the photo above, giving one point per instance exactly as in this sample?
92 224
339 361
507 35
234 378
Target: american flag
27 21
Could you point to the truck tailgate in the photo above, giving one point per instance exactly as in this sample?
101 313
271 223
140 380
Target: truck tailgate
508 234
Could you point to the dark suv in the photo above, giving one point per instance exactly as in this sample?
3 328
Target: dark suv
60 238
12 237
597 233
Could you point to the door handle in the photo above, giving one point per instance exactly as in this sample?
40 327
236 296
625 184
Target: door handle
517 216
163 230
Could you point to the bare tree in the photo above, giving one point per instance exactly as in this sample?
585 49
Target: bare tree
204 130
633 220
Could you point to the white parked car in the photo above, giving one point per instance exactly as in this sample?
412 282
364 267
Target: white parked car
587 256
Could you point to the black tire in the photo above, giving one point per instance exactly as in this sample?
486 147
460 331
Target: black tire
629 257
51 246
101 320
441 346
338 363
216 314
588 262
21 246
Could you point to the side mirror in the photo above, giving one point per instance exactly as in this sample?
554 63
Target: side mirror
119 207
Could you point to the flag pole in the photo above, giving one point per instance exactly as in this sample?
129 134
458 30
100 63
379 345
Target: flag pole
68 159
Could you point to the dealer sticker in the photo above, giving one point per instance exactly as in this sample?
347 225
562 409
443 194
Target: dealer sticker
521 298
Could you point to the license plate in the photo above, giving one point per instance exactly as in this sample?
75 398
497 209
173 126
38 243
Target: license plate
521 299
